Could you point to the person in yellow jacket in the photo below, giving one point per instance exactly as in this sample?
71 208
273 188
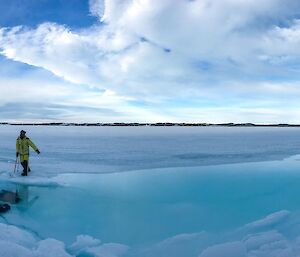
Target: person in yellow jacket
22 149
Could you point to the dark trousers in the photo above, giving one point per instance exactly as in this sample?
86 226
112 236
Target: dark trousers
25 167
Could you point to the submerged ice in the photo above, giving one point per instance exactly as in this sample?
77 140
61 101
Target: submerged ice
173 200
15 242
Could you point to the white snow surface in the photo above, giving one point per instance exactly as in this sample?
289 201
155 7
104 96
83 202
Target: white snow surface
32 180
116 149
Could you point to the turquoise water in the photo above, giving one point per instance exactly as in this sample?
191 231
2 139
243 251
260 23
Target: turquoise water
143 208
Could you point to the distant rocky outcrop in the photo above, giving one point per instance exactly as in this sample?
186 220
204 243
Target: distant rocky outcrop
158 124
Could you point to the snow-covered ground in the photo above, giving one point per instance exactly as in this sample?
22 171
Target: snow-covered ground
115 149
163 192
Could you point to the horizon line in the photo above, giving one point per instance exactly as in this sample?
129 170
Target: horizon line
161 124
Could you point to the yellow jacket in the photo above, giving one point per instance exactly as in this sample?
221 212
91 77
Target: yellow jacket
22 146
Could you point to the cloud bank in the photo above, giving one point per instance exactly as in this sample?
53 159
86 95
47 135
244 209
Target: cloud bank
173 51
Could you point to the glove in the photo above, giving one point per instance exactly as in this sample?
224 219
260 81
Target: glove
17 155
38 151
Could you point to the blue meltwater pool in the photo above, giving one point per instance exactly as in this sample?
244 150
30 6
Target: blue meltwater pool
249 209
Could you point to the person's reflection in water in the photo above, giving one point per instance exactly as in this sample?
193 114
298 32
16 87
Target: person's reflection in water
9 196
26 202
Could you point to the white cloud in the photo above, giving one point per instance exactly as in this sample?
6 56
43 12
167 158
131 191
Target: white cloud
158 50
33 91
38 96
280 45
237 114
96 8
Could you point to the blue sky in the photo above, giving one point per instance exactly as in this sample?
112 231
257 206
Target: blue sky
150 61
72 13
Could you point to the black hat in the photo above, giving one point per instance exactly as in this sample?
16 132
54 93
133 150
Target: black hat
22 132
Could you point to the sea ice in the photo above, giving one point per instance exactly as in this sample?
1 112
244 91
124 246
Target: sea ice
154 192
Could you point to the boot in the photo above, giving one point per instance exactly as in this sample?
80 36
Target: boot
25 168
